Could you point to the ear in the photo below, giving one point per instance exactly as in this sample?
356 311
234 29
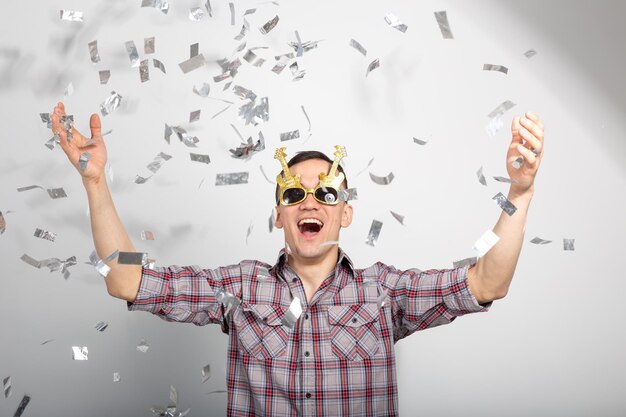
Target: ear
278 222
346 216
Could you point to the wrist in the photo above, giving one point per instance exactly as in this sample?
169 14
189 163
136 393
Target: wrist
518 194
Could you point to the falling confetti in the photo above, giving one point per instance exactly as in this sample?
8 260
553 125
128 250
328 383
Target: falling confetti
382 180
110 104
206 373
22 406
148 45
398 217
500 68
143 346
444 26
485 242
504 204
294 134
271 24
80 353
464 262
71 15
393 21
196 157
539 241
372 66
293 313
192 63
374 233
481 177
147 235
42 234
132 258
231 178
157 4
568 244
6 382
356 45
530 53
101 326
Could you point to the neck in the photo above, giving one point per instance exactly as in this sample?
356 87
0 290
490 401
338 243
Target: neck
312 272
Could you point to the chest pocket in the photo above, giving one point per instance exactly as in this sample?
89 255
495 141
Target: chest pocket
261 331
354 330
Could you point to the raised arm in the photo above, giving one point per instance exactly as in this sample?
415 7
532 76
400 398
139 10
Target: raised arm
490 278
108 231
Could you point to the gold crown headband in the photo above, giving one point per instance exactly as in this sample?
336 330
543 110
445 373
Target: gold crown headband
332 179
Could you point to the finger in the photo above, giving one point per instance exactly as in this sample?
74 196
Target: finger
95 125
532 116
529 157
535 144
515 127
533 127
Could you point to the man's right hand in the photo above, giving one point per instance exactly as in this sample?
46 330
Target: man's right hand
79 145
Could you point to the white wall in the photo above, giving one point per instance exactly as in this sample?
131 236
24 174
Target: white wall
553 347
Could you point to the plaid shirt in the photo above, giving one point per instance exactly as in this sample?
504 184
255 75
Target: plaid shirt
338 359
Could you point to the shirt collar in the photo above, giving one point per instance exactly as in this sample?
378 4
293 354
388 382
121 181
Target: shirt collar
342 259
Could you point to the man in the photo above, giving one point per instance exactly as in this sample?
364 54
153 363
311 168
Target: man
311 335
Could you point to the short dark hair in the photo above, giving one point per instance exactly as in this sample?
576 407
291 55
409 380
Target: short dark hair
305 156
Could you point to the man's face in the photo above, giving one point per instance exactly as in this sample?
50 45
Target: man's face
309 224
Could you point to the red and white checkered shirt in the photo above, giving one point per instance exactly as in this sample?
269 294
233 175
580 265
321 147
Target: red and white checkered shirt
338 359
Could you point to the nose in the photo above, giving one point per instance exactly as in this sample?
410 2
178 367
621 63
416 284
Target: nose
309 202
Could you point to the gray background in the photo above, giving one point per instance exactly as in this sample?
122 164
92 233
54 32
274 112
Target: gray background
553 347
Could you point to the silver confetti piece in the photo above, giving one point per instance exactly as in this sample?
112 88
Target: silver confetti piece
519 161
31 261
22 406
244 93
147 235
158 161
393 21
101 264
104 76
83 161
249 232
297 74
69 90
231 178
372 66
494 125
163 6
71 15
463 262
194 116
255 112
53 141
279 67
294 134
192 63
568 244
29 187
249 56
347 194
196 157
6 382
132 258
485 242
47 341
530 53
195 14
133 55
420 141
110 104
143 346
223 76
46 118
208 7
116 377
398 217
220 112
3 224
265 175
501 109
444 26
158 64
504 204
539 241
249 148
504 180
272 220
206 373
374 233
80 353
481 177
500 68
203 91
228 300
141 180
330 243
93 51
232 13
307 117
293 313
55 193
148 45
382 180
356 45
287 248
271 24
194 49
101 326
43 234
244 29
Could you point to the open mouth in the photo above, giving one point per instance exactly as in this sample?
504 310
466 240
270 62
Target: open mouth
310 226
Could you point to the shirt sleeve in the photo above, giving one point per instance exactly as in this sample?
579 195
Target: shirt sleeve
185 294
421 300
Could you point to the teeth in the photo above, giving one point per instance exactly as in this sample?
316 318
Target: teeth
315 221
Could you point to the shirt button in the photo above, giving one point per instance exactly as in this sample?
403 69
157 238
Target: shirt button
354 320
306 353
306 316
308 395
294 279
